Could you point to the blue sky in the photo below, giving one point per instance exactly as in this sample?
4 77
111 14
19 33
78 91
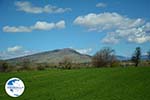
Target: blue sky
30 26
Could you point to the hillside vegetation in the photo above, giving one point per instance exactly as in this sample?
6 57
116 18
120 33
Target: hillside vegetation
82 84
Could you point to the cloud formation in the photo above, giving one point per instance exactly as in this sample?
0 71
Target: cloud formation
39 25
117 26
16 29
101 5
60 24
29 8
15 51
84 51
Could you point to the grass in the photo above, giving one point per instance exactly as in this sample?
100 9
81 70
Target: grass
82 84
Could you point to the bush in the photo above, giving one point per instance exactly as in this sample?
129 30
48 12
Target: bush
3 66
104 58
41 67
66 63
26 65
115 64
6 67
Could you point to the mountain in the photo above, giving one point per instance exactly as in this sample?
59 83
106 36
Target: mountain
55 56
122 58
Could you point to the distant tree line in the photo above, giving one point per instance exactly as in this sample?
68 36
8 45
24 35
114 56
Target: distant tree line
26 64
103 58
106 58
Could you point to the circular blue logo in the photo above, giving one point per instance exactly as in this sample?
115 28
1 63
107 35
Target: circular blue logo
14 87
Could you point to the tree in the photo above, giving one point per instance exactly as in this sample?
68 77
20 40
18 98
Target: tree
104 58
66 63
148 54
3 66
136 56
26 64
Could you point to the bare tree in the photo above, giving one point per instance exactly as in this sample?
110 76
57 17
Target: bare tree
104 58
136 56
66 63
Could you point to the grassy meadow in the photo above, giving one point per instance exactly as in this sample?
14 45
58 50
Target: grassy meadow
82 84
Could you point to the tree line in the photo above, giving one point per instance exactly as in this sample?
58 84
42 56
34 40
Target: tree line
106 57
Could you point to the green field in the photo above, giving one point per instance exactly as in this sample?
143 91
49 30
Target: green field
82 84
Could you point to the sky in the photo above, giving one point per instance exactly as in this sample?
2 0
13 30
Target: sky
32 26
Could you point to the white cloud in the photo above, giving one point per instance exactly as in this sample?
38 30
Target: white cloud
16 29
131 30
101 5
147 27
39 25
29 8
84 51
14 49
139 40
60 24
43 25
136 35
105 21
110 39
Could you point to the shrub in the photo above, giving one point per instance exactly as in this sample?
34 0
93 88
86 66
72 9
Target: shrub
66 63
104 58
3 66
6 67
26 65
40 67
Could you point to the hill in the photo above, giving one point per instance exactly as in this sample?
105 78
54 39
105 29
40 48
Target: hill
55 56
123 58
